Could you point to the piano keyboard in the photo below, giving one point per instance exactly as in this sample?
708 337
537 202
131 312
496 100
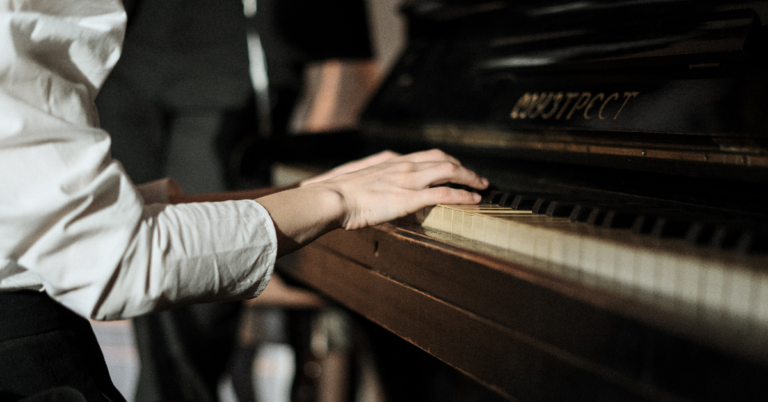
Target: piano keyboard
671 268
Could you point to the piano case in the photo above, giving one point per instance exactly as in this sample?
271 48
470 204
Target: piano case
650 112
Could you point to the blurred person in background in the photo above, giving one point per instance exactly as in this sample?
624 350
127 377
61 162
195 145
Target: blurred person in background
174 105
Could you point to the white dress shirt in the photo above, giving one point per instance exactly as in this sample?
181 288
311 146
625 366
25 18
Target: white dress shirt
71 222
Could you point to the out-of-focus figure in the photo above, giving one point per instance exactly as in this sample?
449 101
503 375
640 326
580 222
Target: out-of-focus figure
175 104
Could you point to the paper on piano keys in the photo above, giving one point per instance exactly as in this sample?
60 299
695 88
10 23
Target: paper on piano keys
722 282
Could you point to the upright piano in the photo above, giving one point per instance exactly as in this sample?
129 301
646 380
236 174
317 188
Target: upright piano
622 253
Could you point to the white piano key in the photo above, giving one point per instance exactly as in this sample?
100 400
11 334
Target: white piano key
572 250
500 233
624 269
739 293
456 220
588 256
540 246
616 255
556 252
761 297
478 226
645 272
434 218
713 295
687 279
605 259
467 224
666 276
548 244
505 231
522 241
445 216
491 230
513 235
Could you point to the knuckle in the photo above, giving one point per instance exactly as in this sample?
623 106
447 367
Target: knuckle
443 192
449 167
404 167
437 153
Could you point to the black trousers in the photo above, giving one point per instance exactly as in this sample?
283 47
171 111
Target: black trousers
44 346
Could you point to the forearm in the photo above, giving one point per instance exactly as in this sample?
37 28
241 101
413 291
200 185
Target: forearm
301 215
168 191
193 252
227 196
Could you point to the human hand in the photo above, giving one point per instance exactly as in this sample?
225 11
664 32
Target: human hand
352 167
369 196
400 185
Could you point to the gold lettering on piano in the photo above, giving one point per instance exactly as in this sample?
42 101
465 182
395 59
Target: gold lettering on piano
530 105
597 97
614 95
559 104
521 105
580 103
544 99
568 97
627 97
558 97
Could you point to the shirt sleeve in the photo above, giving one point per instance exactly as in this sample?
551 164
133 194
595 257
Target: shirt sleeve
71 222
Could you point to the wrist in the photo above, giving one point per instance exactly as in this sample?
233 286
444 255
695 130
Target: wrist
304 214
328 204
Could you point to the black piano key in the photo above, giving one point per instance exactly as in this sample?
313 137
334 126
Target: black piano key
582 209
576 209
579 213
665 227
752 242
560 208
745 241
724 237
618 219
495 197
523 202
643 224
506 200
540 206
596 216
485 196
699 233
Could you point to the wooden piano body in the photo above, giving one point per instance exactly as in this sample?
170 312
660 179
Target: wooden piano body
656 109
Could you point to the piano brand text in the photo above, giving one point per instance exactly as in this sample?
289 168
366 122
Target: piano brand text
565 105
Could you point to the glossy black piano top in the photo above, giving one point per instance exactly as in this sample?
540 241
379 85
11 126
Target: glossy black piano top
674 86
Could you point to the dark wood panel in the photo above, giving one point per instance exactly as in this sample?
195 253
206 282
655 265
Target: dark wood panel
519 329
511 363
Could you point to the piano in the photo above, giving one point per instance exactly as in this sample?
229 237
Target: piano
622 253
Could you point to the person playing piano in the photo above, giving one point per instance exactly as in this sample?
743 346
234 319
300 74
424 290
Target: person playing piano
78 239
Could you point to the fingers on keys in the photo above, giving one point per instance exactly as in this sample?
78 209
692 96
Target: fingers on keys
430 174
